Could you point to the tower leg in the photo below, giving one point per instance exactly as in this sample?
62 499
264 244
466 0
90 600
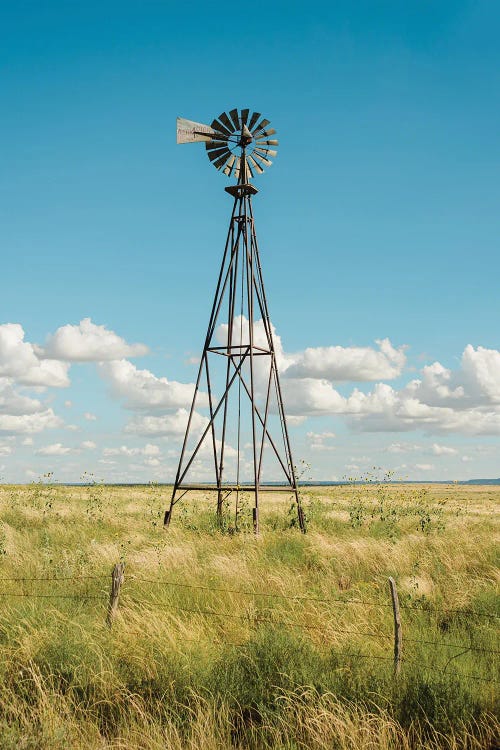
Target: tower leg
168 513
300 513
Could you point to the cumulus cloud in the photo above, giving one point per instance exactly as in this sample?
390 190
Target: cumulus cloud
352 363
89 416
140 390
55 449
403 447
336 363
88 342
14 403
88 445
19 361
439 401
481 374
168 425
443 450
385 410
309 397
320 435
148 450
29 423
317 441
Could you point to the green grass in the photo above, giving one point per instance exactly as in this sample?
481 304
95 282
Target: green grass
303 662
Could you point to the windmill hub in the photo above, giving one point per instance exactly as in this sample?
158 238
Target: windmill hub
246 136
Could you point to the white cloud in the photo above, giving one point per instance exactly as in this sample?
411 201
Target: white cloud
443 450
55 449
293 420
88 342
307 397
424 467
467 459
151 450
317 441
19 360
14 403
481 373
385 409
336 363
140 390
29 423
440 401
403 447
88 445
320 435
89 416
27 441
68 404
352 363
5 450
166 425
148 450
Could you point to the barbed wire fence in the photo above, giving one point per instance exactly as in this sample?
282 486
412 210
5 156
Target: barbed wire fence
396 638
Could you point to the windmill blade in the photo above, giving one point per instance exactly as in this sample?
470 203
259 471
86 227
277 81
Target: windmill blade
193 132
267 143
229 166
237 167
266 151
215 144
248 167
213 155
262 159
261 133
234 117
256 116
218 163
244 116
220 128
254 164
227 122
260 126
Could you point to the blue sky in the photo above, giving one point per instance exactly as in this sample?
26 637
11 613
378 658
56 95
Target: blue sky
378 220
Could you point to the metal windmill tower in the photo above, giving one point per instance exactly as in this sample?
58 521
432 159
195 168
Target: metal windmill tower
238 373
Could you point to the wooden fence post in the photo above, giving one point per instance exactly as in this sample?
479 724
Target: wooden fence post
117 578
398 633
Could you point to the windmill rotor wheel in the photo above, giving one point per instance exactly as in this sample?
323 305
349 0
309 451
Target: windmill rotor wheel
241 141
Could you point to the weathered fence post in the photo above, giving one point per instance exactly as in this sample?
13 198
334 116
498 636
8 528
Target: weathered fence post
398 633
117 578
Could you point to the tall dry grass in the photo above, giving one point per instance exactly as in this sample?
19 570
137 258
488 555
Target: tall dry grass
304 663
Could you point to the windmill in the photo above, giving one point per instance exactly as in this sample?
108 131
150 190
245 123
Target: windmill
237 419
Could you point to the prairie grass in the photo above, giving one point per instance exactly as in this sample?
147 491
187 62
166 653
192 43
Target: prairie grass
224 640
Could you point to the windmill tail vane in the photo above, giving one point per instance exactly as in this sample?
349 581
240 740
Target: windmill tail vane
236 430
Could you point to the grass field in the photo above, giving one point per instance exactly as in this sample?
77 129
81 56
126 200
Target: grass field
224 640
